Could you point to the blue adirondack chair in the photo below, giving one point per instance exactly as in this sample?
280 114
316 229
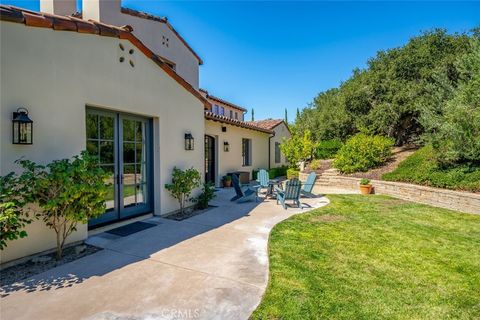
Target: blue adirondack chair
308 185
291 192
263 179
241 195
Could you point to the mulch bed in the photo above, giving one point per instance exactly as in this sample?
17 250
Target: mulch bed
188 214
43 263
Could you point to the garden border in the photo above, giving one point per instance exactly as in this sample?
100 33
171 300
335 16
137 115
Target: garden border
455 200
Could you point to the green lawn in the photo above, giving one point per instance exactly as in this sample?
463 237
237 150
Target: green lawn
374 257
421 168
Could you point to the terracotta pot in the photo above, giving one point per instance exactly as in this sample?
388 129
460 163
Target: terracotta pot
227 183
366 189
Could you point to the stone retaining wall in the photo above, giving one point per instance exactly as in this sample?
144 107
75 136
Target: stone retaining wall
454 200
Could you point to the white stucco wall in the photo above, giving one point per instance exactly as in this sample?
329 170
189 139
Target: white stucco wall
150 33
281 132
232 160
56 74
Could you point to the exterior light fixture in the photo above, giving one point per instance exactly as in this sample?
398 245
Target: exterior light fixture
189 141
226 146
22 127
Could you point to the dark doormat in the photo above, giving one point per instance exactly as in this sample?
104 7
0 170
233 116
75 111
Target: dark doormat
131 228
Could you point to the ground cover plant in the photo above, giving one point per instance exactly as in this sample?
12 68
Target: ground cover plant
374 257
422 168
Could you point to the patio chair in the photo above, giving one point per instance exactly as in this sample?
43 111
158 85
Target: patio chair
263 180
241 195
291 192
308 185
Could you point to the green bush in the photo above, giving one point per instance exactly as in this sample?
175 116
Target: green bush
363 152
327 149
315 164
272 173
292 173
68 192
183 183
14 216
422 168
208 193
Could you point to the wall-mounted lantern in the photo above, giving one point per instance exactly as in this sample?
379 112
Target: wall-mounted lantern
22 127
189 141
226 146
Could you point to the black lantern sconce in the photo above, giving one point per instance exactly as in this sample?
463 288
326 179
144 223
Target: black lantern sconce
189 141
22 127
226 146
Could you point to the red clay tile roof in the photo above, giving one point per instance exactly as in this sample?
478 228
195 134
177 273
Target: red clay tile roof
267 124
210 97
215 117
149 16
69 23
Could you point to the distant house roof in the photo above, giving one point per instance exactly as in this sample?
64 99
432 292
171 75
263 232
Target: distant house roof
216 99
70 23
269 124
149 16
216 117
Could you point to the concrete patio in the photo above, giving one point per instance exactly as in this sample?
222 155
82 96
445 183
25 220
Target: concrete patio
210 266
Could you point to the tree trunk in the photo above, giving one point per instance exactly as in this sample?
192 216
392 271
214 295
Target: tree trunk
59 246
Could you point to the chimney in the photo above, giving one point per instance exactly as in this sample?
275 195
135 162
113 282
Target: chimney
60 7
101 10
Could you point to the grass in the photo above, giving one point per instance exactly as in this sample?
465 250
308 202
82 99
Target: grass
421 168
374 257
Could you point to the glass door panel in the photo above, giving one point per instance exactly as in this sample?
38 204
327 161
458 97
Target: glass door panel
134 179
121 144
101 142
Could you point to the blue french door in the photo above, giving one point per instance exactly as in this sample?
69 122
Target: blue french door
122 144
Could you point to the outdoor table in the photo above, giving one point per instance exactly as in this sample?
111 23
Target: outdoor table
271 186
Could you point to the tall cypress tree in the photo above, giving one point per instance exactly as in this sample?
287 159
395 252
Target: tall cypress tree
253 115
286 116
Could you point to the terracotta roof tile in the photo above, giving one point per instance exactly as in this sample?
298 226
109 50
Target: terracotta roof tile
216 117
267 123
56 22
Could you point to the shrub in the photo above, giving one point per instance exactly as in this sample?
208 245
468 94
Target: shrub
183 183
422 168
277 172
208 193
327 149
363 152
272 173
315 164
14 194
292 173
68 192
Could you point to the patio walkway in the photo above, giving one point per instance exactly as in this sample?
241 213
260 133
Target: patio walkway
211 266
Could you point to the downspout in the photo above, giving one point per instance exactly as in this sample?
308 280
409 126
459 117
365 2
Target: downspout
270 149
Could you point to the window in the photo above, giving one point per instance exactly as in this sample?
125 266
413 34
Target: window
246 152
277 152
222 111
215 109
231 114
236 115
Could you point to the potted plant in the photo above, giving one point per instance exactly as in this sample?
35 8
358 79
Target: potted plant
227 181
365 186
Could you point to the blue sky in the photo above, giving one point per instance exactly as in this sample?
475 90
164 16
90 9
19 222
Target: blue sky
271 55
